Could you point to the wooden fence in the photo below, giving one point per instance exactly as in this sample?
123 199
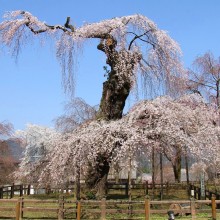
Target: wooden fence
10 190
207 195
107 209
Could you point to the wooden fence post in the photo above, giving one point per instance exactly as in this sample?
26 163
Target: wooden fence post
1 193
103 209
146 188
195 192
61 208
78 211
217 198
167 188
126 189
199 194
29 190
21 200
17 210
21 190
147 208
193 208
12 191
213 208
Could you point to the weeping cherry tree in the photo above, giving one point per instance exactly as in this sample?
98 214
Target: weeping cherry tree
132 45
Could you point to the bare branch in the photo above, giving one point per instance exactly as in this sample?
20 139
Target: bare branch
139 37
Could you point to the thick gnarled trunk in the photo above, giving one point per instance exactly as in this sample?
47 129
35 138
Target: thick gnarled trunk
113 98
97 175
111 108
114 95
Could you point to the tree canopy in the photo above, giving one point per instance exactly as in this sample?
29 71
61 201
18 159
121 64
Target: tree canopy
132 45
162 124
134 42
205 77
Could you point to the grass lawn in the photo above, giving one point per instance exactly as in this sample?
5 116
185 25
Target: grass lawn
172 194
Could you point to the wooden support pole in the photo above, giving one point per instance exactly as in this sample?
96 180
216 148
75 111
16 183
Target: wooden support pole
103 209
213 208
187 167
77 183
147 208
161 176
153 173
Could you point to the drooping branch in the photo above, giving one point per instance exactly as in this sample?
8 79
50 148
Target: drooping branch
132 44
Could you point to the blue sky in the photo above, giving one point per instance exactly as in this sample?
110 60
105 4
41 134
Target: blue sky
30 89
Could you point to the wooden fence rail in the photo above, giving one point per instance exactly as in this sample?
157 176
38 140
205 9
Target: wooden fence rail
208 193
107 209
11 190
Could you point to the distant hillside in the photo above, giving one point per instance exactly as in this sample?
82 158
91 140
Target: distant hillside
10 155
15 148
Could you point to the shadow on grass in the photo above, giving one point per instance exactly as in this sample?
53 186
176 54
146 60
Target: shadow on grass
7 218
116 196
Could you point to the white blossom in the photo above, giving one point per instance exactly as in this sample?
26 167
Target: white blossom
162 124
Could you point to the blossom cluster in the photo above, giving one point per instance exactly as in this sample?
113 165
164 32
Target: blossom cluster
162 124
140 45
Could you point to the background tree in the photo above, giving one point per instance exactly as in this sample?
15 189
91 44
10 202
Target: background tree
177 124
8 155
132 44
205 77
6 129
7 163
38 142
77 111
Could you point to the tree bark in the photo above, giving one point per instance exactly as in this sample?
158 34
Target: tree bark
96 178
161 176
187 168
115 91
114 95
177 165
153 173
113 98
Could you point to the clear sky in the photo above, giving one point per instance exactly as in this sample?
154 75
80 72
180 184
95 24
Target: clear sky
30 89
